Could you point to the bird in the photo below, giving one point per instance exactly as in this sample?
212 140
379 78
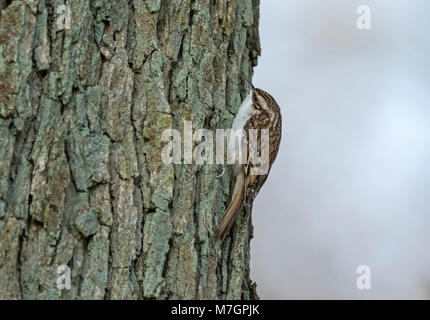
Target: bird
259 110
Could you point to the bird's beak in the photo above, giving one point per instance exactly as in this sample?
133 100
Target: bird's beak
248 82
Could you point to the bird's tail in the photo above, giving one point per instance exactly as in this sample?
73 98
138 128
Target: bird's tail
231 212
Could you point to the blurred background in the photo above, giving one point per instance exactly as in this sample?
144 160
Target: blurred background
351 183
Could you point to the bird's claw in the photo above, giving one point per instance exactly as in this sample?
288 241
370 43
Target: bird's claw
222 173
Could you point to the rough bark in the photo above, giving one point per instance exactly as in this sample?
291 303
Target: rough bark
82 183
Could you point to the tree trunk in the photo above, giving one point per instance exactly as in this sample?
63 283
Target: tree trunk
82 183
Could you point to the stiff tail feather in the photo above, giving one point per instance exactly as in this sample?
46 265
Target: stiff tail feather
231 212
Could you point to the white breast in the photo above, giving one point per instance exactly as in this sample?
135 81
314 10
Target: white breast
244 113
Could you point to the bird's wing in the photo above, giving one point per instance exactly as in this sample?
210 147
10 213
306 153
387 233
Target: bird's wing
244 185
232 210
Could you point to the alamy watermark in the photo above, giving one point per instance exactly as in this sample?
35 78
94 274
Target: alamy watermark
64 279
240 143
364 21
63 20
364 280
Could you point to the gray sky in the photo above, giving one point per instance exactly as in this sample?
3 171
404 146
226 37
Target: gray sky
350 185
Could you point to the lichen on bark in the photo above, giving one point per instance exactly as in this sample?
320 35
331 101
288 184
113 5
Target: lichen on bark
82 183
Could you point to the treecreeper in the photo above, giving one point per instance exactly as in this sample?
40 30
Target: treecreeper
259 112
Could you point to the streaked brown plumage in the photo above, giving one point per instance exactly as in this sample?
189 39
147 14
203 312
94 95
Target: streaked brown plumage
264 113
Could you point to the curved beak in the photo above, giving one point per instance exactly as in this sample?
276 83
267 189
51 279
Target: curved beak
247 81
